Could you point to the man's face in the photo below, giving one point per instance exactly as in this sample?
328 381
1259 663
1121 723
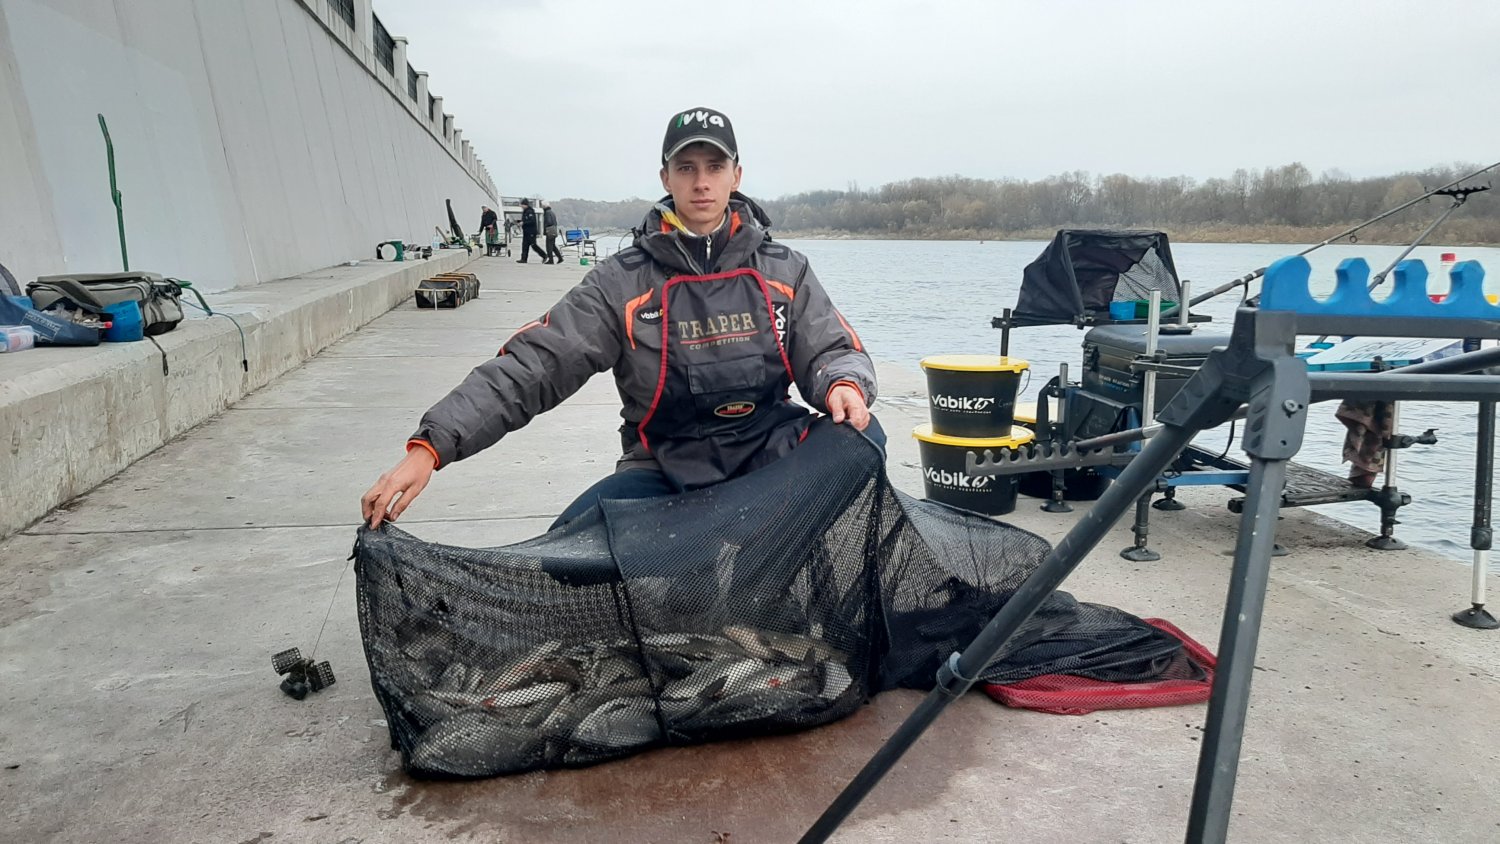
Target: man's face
700 179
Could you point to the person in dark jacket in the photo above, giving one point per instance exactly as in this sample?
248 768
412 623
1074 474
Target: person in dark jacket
549 230
489 224
706 324
528 233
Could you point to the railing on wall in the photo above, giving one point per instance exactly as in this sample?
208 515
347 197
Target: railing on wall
385 47
385 53
345 9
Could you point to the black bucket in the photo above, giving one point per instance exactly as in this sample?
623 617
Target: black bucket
944 477
972 395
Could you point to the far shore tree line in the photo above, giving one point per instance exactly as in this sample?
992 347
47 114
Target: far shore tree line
1284 204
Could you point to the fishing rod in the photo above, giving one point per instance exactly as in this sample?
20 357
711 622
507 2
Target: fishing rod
1460 196
1245 280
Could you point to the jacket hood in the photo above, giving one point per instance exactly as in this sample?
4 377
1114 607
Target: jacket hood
748 227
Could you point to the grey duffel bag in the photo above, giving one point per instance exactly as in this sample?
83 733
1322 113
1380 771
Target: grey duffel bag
160 299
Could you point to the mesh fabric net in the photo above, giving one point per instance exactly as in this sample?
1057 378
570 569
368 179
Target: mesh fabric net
1146 275
774 602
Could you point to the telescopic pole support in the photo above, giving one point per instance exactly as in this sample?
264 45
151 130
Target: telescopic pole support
1481 535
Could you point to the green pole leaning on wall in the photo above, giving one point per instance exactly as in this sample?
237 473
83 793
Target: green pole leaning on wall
114 193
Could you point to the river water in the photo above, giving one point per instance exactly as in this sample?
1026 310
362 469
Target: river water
909 299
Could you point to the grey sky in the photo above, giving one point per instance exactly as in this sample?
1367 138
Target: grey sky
569 99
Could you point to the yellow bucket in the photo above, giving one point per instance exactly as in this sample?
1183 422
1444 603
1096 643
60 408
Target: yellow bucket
945 479
972 395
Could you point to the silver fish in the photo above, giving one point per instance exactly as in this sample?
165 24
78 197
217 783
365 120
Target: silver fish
787 647
750 641
765 677
719 671
475 743
570 710
546 670
835 680
620 723
427 709
524 696
613 669
778 705
705 647
797 648
673 664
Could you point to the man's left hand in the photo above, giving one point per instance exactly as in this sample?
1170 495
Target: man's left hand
845 402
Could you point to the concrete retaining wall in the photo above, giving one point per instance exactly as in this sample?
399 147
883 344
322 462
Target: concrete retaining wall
74 417
253 140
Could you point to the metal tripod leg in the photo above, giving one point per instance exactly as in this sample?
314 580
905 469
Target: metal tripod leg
963 669
1213 791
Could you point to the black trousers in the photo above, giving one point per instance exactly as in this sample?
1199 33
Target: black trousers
529 245
552 248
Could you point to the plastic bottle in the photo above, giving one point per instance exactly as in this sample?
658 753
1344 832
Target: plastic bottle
15 338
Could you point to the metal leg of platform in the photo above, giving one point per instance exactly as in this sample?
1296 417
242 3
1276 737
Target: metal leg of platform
1390 499
1168 502
1481 534
1138 552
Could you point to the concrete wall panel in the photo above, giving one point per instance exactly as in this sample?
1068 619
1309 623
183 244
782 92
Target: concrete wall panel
28 232
325 213
176 214
251 142
278 91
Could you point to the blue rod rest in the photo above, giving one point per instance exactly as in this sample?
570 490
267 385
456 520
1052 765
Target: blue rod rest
1286 289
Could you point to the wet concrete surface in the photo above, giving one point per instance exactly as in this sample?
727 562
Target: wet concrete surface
137 702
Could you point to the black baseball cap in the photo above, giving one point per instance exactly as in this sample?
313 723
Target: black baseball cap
699 125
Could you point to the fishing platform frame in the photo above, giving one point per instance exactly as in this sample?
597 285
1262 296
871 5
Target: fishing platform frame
1259 372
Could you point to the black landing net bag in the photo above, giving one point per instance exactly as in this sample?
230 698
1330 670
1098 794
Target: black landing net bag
774 602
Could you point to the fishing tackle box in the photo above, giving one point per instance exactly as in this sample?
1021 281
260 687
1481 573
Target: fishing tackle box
1109 351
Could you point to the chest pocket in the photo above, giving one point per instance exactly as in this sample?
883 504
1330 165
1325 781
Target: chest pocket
722 388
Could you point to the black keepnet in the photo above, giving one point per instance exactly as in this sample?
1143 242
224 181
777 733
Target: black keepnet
774 602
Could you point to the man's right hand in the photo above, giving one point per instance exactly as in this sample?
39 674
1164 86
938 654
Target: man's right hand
398 488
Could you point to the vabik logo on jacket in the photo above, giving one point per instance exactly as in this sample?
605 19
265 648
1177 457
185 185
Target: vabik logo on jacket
649 316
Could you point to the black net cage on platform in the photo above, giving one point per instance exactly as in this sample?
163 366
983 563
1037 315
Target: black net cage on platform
1082 272
775 602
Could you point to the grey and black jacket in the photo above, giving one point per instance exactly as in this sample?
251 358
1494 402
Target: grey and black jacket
705 336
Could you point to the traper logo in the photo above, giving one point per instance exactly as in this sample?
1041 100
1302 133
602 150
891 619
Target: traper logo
943 477
650 316
735 409
704 118
970 403
717 325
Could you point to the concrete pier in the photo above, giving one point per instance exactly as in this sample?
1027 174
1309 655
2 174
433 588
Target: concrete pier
138 704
